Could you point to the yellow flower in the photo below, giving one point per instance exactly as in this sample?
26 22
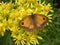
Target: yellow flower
24 13
16 13
34 36
5 12
5 23
47 7
12 27
19 37
1 17
28 38
22 1
39 37
9 6
14 31
31 0
13 35
3 6
39 7
1 29
12 15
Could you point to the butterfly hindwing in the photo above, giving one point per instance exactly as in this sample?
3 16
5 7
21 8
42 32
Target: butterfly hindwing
27 23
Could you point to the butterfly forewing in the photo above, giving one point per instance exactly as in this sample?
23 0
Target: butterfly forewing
27 23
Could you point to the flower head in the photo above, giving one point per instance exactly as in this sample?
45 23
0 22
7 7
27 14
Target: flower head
12 13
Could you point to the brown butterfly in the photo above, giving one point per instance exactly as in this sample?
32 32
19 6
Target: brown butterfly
34 21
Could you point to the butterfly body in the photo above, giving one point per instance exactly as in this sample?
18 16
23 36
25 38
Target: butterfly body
33 22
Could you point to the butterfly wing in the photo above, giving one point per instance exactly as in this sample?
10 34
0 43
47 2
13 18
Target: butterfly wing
27 23
40 20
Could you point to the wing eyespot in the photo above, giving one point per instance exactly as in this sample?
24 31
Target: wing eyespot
43 18
22 23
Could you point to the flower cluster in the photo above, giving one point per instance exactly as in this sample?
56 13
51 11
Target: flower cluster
12 13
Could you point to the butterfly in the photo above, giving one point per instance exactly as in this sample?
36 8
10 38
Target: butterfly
33 22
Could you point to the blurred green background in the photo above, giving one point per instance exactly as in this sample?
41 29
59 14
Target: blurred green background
52 37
